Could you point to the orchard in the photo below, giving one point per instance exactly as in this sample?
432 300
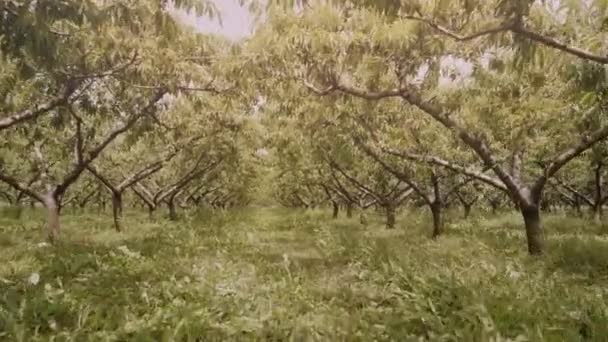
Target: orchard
352 170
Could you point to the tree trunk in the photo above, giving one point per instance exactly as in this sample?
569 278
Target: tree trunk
467 210
172 211
577 206
362 218
336 210
197 201
349 210
151 212
597 212
545 206
494 206
597 207
18 210
102 203
437 219
390 216
534 229
117 210
52 208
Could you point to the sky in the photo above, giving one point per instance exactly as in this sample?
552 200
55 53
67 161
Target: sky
237 22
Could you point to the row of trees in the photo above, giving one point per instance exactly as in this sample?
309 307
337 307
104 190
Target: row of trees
442 94
100 99
369 103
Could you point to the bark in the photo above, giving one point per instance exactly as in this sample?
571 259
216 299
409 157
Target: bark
362 218
597 206
577 206
494 206
437 219
545 206
52 207
197 201
172 211
467 210
117 210
534 229
349 210
466 205
336 210
436 206
19 205
102 203
151 210
597 213
390 216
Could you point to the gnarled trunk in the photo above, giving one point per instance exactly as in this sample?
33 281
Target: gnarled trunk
52 208
349 210
117 210
390 216
437 219
534 229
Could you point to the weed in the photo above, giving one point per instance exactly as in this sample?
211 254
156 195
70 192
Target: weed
278 275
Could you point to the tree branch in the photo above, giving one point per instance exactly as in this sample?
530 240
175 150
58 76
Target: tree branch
21 187
18 117
445 31
353 180
553 43
519 30
476 143
94 153
400 175
467 171
586 142
103 179
574 191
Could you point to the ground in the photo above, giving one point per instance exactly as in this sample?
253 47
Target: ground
278 275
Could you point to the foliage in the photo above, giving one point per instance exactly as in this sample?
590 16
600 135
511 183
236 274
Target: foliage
378 107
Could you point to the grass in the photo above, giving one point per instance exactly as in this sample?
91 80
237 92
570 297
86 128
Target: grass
278 275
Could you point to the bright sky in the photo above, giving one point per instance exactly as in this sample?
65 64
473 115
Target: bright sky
237 22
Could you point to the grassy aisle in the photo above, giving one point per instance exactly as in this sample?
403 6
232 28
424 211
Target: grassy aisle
270 274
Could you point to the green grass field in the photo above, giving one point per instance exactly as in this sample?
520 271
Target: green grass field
278 275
